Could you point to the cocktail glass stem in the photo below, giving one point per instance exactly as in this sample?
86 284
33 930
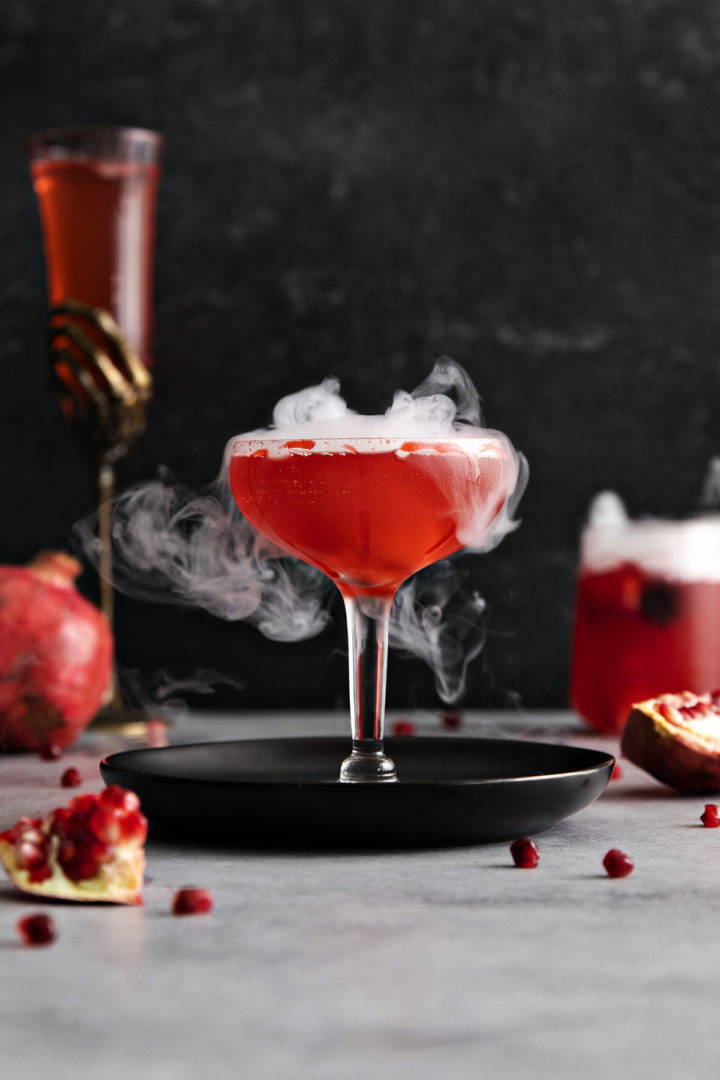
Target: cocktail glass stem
368 619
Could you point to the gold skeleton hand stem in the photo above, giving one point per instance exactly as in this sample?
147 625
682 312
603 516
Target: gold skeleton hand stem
104 391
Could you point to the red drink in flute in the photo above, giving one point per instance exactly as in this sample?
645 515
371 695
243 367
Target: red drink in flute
369 511
647 617
96 190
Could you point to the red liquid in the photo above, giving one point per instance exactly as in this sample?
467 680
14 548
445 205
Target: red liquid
370 519
98 219
637 636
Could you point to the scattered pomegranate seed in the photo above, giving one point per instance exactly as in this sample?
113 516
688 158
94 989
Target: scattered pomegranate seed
156 733
192 901
451 719
617 773
525 853
618 864
71 778
51 752
403 727
37 930
710 816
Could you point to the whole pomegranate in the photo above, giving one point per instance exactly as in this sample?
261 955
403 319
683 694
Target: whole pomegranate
56 654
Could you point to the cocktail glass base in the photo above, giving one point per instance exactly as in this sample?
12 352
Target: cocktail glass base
367 764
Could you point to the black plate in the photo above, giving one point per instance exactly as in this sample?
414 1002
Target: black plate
452 790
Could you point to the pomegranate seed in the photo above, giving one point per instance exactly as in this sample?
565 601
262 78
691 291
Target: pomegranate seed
37 930
403 727
71 778
710 816
39 874
156 733
617 863
617 773
134 827
669 713
119 799
51 752
451 719
525 853
106 824
192 901
29 853
82 804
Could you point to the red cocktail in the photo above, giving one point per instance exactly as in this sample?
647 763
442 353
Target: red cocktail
369 512
647 615
96 190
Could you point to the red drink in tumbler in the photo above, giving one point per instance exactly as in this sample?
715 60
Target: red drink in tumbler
368 511
647 617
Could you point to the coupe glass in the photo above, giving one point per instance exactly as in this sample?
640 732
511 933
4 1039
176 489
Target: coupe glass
369 512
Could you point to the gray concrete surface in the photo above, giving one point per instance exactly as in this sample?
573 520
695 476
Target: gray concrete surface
386 965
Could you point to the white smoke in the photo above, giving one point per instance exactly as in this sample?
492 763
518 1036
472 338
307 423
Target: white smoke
433 618
172 545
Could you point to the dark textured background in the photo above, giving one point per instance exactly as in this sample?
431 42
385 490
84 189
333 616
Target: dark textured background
355 188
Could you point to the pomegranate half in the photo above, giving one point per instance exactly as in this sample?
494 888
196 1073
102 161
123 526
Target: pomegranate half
92 849
56 654
676 738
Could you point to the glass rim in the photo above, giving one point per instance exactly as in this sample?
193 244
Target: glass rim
392 439
88 140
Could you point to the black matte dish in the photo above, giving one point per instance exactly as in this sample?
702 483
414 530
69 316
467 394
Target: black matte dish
452 790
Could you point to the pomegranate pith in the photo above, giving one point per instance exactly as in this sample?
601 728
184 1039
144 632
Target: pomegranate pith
617 864
37 930
89 850
525 853
192 901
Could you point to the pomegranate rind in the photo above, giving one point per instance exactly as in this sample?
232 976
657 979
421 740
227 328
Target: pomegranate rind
683 753
56 654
